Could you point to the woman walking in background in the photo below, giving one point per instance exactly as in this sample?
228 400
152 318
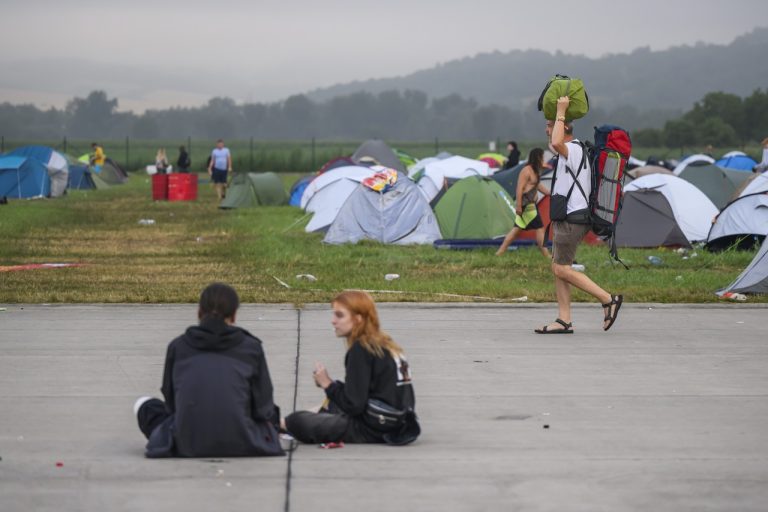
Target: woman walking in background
528 186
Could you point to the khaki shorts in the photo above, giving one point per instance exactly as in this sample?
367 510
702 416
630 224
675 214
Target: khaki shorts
566 238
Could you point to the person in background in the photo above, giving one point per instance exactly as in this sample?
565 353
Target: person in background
570 199
97 158
184 162
219 166
217 390
514 155
161 161
376 370
763 165
528 218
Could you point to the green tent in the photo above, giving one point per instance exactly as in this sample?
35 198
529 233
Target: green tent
475 208
711 180
111 173
406 159
255 189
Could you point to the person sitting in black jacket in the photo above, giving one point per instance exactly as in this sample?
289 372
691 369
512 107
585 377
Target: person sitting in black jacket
183 163
514 155
217 389
376 369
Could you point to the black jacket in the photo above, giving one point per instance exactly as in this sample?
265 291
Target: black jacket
513 159
368 376
217 388
183 162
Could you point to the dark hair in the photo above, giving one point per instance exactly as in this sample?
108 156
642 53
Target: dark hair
568 128
219 300
512 143
94 144
182 148
220 140
535 160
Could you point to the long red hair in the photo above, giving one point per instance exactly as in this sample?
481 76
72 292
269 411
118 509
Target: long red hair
367 332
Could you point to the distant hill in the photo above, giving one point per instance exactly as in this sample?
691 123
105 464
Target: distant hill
662 80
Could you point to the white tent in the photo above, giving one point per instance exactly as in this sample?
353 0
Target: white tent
693 210
746 217
692 159
353 172
325 195
734 153
399 216
455 167
421 164
758 184
754 279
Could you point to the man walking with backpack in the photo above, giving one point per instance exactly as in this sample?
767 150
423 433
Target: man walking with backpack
570 216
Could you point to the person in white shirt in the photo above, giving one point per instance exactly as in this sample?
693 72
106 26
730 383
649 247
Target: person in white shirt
570 206
220 164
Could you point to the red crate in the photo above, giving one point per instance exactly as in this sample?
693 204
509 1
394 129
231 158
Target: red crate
182 187
159 187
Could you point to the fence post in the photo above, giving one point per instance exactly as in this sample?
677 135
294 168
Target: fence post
64 144
251 169
314 166
127 154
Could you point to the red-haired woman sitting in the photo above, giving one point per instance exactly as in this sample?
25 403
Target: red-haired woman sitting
375 403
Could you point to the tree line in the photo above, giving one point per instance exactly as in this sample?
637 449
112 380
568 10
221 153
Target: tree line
719 119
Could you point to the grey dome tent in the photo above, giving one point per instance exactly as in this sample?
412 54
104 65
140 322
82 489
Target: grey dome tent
743 222
398 216
255 189
377 151
711 180
647 220
754 279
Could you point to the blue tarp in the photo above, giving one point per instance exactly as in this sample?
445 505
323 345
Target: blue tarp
22 178
737 162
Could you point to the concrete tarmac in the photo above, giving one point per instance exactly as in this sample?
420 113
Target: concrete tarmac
668 411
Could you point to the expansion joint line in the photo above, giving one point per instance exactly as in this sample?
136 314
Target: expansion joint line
287 507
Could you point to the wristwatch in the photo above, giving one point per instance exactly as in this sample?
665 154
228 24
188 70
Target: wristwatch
560 118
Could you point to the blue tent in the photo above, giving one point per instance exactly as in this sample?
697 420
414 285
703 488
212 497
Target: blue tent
54 162
297 190
80 177
42 153
737 162
22 177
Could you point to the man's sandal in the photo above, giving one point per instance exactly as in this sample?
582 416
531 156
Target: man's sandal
612 313
567 328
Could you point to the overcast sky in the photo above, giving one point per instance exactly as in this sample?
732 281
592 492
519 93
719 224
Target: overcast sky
163 53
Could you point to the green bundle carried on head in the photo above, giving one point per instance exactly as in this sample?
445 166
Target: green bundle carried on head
561 85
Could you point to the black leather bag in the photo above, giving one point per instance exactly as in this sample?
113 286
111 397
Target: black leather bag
383 417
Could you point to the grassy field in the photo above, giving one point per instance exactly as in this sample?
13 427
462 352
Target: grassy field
194 243
299 156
